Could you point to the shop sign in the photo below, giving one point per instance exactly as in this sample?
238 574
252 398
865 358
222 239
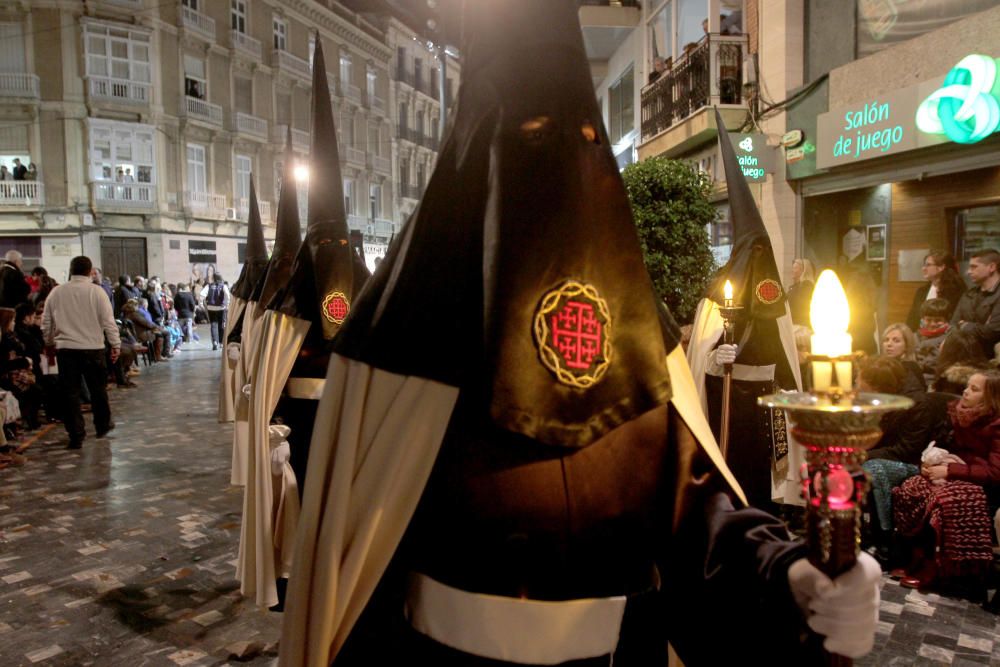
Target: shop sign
756 158
963 107
200 252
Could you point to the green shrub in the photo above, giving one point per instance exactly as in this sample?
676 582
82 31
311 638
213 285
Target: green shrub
671 206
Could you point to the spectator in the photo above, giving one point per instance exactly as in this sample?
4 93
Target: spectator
933 329
800 293
943 282
35 278
945 508
905 434
77 321
27 331
898 342
32 174
45 286
154 297
104 284
16 373
120 175
140 284
4 174
216 296
977 313
168 338
14 289
146 331
184 305
123 293
19 170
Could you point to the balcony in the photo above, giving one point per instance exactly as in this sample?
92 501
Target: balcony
121 91
406 134
383 165
17 194
205 205
111 195
355 156
382 228
293 65
709 74
203 111
377 104
300 138
198 23
350 92
243 210
409 191
250 126
15 84
245 44
405 75
427 141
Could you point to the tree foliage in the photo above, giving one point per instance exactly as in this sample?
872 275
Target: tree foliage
671 207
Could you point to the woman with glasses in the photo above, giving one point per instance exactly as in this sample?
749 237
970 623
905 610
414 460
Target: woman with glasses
943 282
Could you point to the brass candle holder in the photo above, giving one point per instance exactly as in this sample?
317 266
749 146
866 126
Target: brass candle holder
836 427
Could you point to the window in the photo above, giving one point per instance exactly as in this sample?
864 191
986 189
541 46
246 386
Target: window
373 142
312 49
281 35
12 48
196 177
375 201
404 115
243 89
418 72
279 173
238 13
195 83
349 196
117 53
720 234
346 70
284 110
191 4
419 125
371 77
621 112
119 150
241 182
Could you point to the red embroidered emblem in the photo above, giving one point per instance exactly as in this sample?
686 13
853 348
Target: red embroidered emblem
336 307
573 334
768 291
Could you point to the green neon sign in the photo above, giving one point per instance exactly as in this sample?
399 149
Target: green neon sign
966 108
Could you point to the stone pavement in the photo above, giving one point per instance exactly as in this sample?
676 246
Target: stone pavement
123 553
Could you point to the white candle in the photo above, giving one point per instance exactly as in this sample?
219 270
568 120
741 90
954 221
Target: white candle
830 316
727 293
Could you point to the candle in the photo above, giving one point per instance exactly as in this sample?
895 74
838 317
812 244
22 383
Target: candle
830 314
727 292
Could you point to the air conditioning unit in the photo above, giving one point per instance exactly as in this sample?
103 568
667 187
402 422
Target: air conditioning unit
231 214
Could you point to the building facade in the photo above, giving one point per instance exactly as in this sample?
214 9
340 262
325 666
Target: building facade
147 120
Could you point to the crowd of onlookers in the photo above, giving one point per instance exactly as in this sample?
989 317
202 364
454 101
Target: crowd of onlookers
19 172
935 475
154 319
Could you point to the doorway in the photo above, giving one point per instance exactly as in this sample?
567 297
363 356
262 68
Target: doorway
123 256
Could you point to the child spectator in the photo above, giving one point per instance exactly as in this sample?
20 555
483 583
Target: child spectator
933 328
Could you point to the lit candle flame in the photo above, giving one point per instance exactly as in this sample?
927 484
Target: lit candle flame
829 312
727 291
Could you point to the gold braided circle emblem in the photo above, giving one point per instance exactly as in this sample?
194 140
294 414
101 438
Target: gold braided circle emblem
336 307
572 332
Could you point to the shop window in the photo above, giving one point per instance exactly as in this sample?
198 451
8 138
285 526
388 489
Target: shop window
30 248
974 229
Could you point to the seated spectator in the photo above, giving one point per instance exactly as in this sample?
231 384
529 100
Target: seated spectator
905 434
943 282
16 373
125 367
950 522
145 331
29 333
123 293
978 311
898 342
168 336
934 327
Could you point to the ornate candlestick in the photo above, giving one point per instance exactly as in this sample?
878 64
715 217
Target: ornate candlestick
729 312
836 425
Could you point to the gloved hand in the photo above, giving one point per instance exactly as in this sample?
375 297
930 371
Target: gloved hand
281 453
844 610
246 390
233 351
725 354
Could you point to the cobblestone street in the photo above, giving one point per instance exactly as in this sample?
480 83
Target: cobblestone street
123 553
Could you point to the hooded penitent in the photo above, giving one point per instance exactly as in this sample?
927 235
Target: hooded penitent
254 265
766 360
294 335
287 240
506 394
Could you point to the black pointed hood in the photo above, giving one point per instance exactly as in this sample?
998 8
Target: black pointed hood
327 271
751 268
287 235
255 257
519 278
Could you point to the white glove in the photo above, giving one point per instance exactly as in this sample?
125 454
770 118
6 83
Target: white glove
233 351
281 453
845 610
246 390
725 354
